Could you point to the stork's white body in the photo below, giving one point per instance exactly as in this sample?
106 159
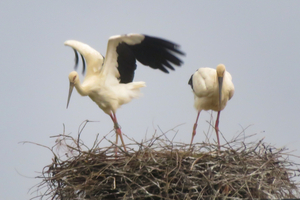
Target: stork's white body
206 89
212 89
110 98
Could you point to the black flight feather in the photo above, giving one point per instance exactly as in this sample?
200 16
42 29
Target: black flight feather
126 63
83 63
191 82
154 52
157 53
77 61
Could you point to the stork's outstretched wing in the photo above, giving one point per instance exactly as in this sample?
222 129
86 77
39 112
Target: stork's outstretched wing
124 50
93 58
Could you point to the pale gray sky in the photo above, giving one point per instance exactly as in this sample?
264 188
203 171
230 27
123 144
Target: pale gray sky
258 41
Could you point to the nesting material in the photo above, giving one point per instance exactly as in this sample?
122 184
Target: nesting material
161 169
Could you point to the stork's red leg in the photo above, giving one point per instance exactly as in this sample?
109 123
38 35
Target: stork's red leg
194 128
217 129
118 130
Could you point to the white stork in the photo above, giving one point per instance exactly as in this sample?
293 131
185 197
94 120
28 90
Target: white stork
212 89
108 81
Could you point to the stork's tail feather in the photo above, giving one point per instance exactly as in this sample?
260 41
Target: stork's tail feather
134 89
136 85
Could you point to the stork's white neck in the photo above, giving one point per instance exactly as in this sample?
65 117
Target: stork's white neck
83 91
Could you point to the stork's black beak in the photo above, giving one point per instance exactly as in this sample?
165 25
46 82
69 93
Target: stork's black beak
70 92
220 80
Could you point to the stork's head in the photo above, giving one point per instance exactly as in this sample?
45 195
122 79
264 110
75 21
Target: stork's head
220 73
221 70
74 79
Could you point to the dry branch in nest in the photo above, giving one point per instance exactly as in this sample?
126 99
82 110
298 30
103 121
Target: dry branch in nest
161 169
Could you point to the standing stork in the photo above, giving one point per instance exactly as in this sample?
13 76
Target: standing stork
108 81
212 89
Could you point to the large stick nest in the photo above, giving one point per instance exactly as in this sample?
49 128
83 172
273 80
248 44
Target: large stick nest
161 169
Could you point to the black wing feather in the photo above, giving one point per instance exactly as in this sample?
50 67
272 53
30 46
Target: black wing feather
83 64
168 65
157 53
154 52
77 61
126 63
191 82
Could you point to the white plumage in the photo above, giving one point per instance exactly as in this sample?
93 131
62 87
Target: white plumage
212 89
108 81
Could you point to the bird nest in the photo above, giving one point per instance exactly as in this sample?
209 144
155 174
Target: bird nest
159 168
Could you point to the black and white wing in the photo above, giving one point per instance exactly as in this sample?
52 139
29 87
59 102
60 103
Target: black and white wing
90 56
124 50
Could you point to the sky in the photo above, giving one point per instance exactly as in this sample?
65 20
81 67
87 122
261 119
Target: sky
258 41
